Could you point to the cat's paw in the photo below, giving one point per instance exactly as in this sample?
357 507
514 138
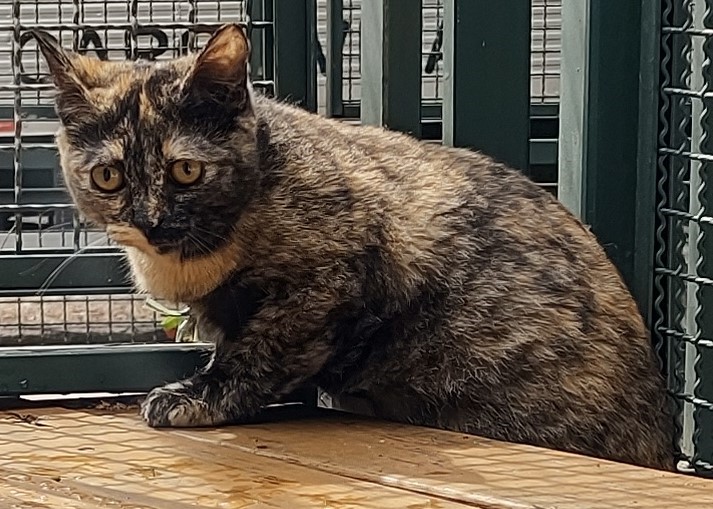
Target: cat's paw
178 405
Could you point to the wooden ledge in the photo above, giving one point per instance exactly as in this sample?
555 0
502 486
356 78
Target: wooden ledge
87 459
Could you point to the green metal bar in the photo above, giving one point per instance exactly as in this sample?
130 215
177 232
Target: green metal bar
647 158
610 145
29 274
269 50
574 74
42 158
295 29
486 49
105 368
391 64
335 62
257 39
543 152
45 112
28 196
702 136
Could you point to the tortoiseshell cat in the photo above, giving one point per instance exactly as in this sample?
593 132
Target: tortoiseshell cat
443 287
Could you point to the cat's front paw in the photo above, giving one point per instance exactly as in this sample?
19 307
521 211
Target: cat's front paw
178 405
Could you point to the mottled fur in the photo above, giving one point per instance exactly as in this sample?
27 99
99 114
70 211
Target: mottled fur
445 288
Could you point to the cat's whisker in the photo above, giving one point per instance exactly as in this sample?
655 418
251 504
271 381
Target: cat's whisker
8 235
210 233
199 243
11 231
62 266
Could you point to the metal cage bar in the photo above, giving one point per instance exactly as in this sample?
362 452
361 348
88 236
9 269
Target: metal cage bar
480 63
391 64
295 58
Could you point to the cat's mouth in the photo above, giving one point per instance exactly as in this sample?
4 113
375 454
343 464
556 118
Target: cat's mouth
185 247
130 236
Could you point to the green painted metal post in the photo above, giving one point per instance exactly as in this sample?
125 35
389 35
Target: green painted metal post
335 42
295 26
391 64
646 174
612 122
256 13
573 93
599 136
486 94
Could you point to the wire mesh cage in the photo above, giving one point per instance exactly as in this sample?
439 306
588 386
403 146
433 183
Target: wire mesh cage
545 43
545 54
62 280
683 305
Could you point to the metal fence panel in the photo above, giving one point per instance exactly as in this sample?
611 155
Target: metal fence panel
683 282
341 86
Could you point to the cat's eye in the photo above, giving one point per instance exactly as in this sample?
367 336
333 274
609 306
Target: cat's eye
186 172
107 178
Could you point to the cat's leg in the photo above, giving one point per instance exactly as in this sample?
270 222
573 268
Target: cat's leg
284 344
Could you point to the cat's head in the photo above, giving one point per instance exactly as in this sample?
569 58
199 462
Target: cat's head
164 155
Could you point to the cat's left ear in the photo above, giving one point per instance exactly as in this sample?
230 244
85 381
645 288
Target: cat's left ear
220 72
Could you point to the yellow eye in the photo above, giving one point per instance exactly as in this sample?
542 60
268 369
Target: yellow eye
186 172
107 178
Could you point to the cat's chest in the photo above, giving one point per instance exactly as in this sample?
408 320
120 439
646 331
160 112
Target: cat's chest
226 310
171 278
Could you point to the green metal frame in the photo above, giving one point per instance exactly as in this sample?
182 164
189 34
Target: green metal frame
612 179
295 30
99 272
96 368
647 157
391 64
486 99
616 150
335 105
611 142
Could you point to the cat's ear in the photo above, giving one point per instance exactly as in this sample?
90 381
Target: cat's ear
71 99
220 72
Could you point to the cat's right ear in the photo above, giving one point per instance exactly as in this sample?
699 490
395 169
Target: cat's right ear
71 99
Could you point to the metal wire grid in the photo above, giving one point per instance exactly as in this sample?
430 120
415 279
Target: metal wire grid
351 77
546 44
683 310
431 41
545 54
36 216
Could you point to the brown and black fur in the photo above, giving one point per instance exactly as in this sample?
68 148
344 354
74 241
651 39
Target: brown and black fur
442 286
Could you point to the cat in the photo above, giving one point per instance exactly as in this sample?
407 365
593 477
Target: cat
441 286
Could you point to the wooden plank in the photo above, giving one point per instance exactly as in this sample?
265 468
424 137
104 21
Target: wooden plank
86 460
469 469
95 459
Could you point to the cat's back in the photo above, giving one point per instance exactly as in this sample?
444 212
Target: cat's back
321 148
441 206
